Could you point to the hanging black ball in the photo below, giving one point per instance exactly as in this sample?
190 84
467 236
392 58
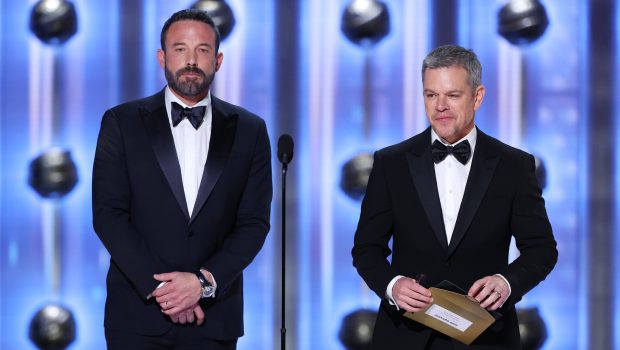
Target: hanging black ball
366 22
53 174
541 172
532 328
52 328
522 21
221 13
357 328
355 174
53 21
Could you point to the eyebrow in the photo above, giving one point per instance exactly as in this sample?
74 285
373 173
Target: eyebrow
447 93
183 44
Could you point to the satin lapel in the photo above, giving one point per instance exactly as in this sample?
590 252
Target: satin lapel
222 137
156 123
423 174
482 168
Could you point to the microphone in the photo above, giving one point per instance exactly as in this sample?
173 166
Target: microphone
285 155
285 149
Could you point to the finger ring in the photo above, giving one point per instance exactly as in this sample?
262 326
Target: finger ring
499 295
166 304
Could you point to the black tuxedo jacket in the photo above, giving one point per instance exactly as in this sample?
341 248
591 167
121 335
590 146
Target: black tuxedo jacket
140 213
502 199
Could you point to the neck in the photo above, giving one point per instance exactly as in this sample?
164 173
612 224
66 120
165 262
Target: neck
190 100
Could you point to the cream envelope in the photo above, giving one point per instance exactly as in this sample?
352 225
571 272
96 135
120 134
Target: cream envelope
455 315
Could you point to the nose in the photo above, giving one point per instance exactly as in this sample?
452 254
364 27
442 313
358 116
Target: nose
191 58
442 103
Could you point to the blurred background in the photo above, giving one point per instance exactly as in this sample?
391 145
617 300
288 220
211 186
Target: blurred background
343 78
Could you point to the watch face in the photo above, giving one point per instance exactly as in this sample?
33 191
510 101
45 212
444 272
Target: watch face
207 291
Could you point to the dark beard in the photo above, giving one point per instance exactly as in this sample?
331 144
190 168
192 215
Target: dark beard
189 87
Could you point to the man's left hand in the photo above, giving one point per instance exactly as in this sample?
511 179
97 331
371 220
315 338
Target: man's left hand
179 295
491 292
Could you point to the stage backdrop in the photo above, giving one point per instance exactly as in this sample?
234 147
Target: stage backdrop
288 61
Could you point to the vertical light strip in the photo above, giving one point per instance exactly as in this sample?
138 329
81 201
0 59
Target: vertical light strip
150 31
584 163
34 97
616 240
416 21
464 15
41 79
113 55
47 78
509 91
329 71
311 55
237 46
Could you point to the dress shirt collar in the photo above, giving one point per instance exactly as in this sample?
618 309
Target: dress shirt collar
471 137
171 97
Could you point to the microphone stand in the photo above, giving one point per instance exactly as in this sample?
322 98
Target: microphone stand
283 306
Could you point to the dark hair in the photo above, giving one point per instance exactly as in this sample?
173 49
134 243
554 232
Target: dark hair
454 55
190 15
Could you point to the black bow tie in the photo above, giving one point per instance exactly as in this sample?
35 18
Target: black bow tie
195 115
461 151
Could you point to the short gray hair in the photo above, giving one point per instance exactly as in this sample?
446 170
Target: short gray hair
454 55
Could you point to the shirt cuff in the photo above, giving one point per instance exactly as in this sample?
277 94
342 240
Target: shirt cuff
388 292
508 284
151 293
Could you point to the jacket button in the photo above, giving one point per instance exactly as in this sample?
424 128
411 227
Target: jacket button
190 233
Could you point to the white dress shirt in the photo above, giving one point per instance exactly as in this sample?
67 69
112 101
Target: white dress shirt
192 146
451 176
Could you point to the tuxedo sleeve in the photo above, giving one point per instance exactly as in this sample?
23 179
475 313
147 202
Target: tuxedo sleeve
111 210
251 226
533 235
374 230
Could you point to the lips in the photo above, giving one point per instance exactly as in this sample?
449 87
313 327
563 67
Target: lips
442 118
190 73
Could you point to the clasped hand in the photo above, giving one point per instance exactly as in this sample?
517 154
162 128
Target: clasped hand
179 297
491 292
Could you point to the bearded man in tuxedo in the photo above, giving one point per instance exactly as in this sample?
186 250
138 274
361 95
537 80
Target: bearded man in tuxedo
181 200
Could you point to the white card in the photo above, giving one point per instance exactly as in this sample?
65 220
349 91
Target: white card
448 317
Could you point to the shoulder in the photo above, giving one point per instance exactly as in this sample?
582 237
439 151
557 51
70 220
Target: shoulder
133 108
416 144
149 103
230 110
493 146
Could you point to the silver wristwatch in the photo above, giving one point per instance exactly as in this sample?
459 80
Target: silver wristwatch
206 288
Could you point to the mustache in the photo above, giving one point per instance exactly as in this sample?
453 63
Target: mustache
190 70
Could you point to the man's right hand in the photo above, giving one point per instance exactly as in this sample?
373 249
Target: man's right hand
188 316
410 295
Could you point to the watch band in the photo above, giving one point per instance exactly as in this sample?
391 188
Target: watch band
206 288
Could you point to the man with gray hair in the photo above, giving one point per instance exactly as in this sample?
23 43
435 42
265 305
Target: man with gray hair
450 199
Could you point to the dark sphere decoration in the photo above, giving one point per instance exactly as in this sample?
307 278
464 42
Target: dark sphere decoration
355 174
366 22
52 328
53 21
221 13
531 328
357 328
523 21
541 172
53 174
